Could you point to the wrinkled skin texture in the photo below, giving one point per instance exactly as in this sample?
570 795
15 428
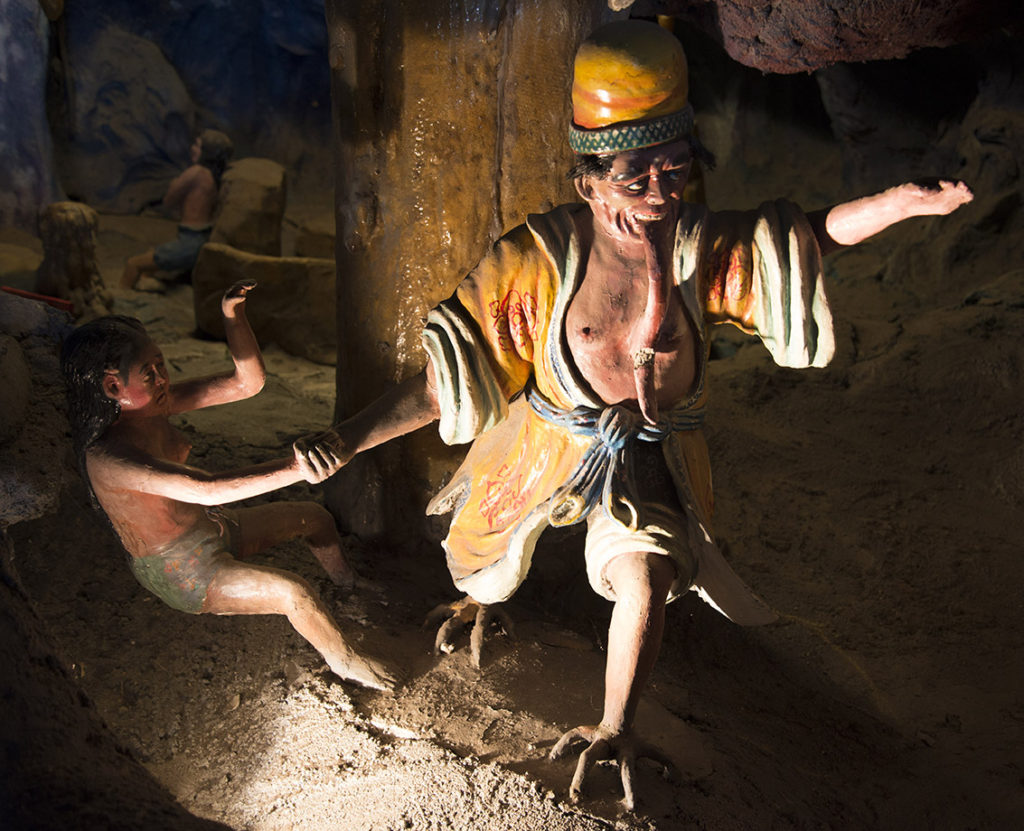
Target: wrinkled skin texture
629 339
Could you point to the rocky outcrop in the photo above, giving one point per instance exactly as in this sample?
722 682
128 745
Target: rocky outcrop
27 176
130 125
251 207
294 306
805 35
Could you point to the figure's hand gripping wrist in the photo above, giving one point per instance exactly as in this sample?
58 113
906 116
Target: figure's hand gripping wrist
316 459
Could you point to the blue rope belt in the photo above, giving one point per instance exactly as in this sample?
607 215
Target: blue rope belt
605 474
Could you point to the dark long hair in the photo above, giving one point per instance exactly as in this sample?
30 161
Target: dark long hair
108 343
215 152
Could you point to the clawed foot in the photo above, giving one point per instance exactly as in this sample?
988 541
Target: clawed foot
604 743
460 614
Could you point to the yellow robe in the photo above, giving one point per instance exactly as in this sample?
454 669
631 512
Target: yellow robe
504 326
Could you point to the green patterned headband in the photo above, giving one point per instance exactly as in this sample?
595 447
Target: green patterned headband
632 135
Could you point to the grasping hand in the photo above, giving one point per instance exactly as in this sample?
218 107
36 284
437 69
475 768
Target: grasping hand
851 222
234 297
934 197
332 438
316 459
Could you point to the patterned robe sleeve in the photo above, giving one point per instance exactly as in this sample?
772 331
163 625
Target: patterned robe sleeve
761 271
482 339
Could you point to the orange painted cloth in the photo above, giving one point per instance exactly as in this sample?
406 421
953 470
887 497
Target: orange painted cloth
504 327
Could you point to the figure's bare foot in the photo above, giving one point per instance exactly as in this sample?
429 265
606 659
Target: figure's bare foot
367 672
606 743
340 572
130 276
460 614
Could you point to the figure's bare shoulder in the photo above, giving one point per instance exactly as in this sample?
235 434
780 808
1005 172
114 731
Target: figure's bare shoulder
130 451
105 466
199 176
110 457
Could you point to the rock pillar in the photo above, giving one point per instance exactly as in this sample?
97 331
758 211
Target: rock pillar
69 269
450 127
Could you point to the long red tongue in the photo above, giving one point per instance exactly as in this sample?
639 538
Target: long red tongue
645 333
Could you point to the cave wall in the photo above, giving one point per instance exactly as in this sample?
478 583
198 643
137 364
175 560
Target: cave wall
27 174
122 87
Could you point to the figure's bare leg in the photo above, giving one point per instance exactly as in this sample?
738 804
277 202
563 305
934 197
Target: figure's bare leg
456 616
641 583
135 266
267 525
244 589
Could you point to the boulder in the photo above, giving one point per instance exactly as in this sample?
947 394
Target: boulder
312 234
131 122
293 306
252 201
805 35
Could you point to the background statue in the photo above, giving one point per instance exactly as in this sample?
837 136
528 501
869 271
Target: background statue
193 195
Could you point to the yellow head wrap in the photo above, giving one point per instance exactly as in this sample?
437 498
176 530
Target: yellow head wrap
630 85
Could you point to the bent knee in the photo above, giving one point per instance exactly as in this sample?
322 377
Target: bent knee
316 521
641 576
296 593
240 589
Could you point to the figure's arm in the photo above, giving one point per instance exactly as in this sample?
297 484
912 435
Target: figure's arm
852 222
179 187
403 409
249 373
120 467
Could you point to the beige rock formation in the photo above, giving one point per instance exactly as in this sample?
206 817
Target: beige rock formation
252 201
293 306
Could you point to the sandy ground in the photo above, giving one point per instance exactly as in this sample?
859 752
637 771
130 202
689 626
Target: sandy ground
875 505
